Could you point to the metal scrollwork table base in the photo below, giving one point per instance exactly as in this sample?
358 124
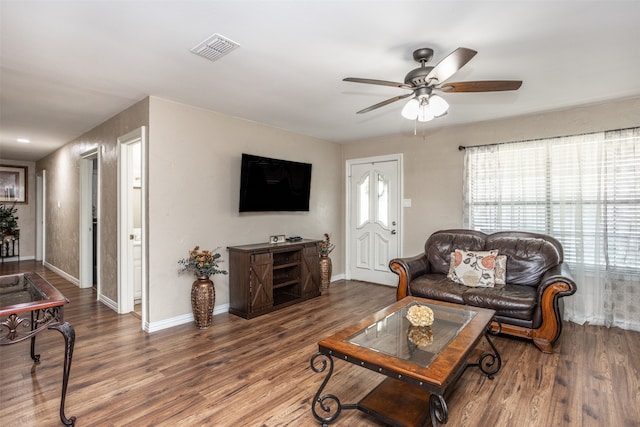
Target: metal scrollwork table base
29 305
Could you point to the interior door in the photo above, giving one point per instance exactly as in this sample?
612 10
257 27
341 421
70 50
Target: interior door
374 220
132 247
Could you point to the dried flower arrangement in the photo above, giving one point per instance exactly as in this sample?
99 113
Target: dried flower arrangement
202 263
326 247
420 315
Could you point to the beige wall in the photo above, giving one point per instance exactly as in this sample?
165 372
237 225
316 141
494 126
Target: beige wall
193 175
63 196
194 182
433 165
26 212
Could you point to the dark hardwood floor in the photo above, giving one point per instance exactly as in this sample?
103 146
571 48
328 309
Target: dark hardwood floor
256 372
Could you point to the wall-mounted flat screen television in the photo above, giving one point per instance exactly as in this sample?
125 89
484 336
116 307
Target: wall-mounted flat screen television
271 185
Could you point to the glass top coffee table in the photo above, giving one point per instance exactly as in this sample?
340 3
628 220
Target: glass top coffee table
421 362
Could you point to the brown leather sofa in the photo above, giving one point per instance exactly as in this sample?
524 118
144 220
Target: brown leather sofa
529 305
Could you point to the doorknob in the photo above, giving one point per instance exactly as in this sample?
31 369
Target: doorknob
132 237
393 231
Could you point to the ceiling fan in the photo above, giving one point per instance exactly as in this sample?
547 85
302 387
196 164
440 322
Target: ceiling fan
423 81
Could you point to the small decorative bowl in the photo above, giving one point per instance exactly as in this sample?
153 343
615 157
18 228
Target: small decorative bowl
420 315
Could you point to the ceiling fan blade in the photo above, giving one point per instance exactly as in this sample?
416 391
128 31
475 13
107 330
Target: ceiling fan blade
377 82
482 86
451 64
383 103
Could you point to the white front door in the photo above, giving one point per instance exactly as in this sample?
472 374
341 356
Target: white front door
374 219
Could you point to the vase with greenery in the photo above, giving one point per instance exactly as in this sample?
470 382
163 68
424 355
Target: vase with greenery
203 264
325 248
8 220
9 231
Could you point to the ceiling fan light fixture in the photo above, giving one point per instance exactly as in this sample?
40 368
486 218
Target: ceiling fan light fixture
411 109
438 105
425 114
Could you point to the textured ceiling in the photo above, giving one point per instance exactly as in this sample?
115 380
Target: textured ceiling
66 66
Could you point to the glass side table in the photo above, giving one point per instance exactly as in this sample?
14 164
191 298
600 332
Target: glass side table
29 305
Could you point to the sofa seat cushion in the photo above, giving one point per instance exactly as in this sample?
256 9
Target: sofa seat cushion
438 287
513 301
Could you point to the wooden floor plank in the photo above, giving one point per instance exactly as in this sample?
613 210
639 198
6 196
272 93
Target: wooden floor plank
256 372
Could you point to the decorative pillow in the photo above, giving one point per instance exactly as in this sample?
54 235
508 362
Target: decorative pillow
474 269
501 270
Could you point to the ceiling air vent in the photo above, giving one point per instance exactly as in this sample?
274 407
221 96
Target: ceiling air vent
214 47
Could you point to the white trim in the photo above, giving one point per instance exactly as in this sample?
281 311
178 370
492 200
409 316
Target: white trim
19 258
62 273
181 320
335 278
44 216
399 227
86 218
39 213
108 302
125 286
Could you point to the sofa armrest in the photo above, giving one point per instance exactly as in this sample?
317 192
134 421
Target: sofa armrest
556 282
558 274
408 269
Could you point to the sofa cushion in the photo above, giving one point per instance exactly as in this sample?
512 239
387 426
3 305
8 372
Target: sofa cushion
510 301
528 258
439 246
438 287
474 268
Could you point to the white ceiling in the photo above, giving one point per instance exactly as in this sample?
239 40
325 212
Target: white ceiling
67 66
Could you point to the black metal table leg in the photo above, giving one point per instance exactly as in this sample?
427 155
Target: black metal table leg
490 363
438 409
328 403
69 335
35 317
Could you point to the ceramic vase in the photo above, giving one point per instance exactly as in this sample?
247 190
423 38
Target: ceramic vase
325 272
203 298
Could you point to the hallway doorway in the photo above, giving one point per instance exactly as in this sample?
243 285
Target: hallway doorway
132 277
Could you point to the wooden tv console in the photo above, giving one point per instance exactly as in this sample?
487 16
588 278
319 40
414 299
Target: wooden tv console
265 277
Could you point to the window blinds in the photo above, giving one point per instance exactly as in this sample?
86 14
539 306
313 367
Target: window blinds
583 189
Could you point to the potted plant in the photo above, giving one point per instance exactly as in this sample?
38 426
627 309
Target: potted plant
8 229
326 247
8 220
203 264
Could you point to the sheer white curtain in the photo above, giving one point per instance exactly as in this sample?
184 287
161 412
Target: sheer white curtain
585 191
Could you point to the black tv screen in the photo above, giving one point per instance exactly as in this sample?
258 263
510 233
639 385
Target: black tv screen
270 185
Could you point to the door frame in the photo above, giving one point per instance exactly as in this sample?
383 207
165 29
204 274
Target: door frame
86 223
400 226
41 213
125 266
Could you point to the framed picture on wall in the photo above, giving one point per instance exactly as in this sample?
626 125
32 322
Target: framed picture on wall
13 184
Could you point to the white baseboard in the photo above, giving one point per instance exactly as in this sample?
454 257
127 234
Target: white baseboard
108 302
19 258
337 277
180 320
64 274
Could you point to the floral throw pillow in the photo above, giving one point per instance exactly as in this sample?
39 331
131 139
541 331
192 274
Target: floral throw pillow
501 271
473 268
